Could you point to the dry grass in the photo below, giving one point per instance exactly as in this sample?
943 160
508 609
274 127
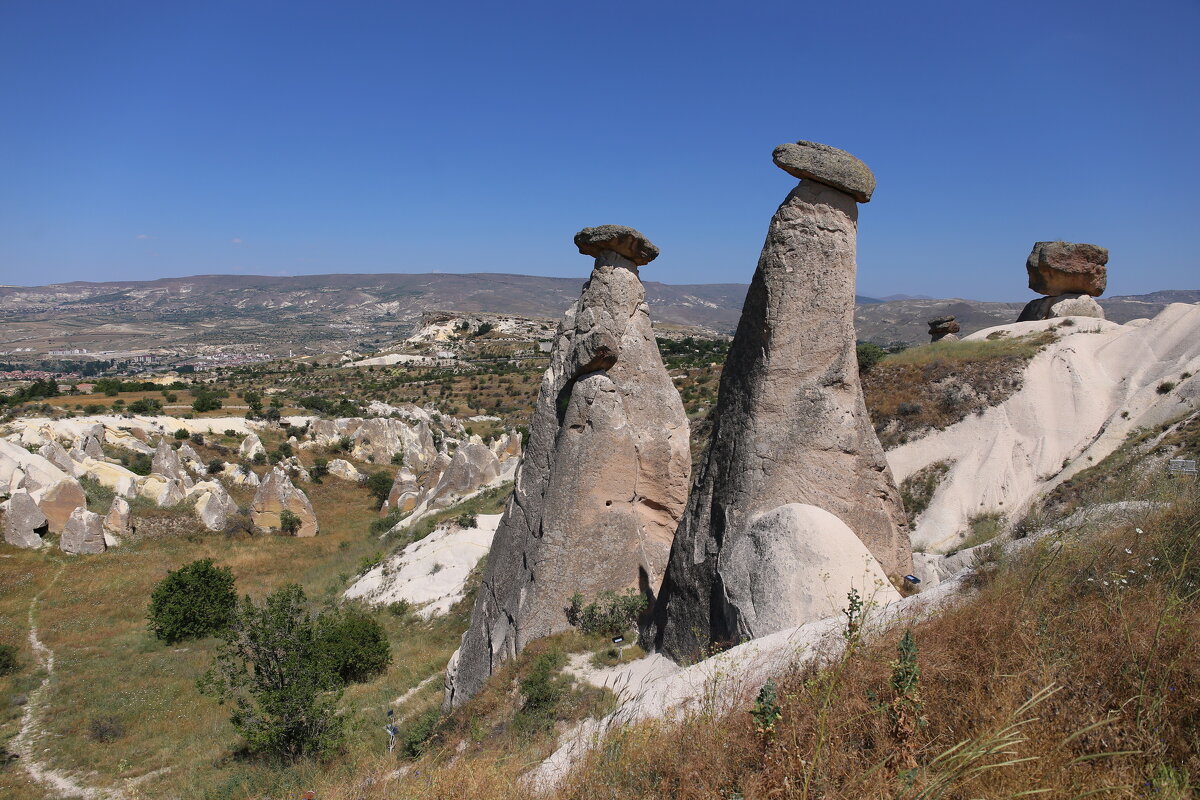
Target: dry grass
1074 669
108 666
938 384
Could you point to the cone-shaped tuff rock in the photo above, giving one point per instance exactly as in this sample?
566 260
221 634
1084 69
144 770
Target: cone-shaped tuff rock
790 427
605 473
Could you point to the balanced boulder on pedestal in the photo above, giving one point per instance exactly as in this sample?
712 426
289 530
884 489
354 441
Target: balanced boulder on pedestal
1070 274
604 477
793 462
943 329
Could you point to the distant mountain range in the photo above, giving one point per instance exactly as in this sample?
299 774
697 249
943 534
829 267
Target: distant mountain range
333 312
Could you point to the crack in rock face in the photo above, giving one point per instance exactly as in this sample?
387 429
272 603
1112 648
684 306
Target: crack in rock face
605 474
790 427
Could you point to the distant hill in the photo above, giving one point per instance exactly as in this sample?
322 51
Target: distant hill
325 313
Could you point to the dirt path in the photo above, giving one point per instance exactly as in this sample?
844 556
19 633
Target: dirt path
57 781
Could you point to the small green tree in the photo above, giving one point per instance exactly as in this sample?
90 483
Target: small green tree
319 469
354 646
289 523
270 668
8 659
379 484
869 355
194 601
181 434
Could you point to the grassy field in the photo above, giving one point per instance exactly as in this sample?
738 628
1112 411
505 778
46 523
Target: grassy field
111 675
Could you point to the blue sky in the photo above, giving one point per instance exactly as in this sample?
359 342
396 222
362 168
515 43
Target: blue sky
143 140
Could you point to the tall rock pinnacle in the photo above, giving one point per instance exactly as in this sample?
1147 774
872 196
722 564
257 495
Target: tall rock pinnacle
793 451
605 475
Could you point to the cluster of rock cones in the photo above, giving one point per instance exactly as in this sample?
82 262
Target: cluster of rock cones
793 504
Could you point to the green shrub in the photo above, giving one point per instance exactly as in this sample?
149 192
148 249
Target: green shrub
8 659
466 520
289 523
181 434
1165 387
216 466
379 484
353 645
271 669
869 355
194 601
610 614
147 405
414 735
319 469
543 687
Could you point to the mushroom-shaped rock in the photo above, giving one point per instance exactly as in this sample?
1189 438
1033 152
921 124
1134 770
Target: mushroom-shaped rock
83 534
24 522
118 522
1058 268
275 495
828 165
943 328
796 564
790 426
620 239
603 480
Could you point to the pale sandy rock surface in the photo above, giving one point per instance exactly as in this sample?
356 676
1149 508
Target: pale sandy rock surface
214 506
251 446
430 573
796 563
341 468
277 494
602 482
123 481
1080 398
790 425
83 534
163 492
239 475
1067 305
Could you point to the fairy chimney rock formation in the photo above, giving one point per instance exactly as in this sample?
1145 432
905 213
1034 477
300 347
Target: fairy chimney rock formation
83 534
24 522
944 328
275 495
604 476
793 462
1069 274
